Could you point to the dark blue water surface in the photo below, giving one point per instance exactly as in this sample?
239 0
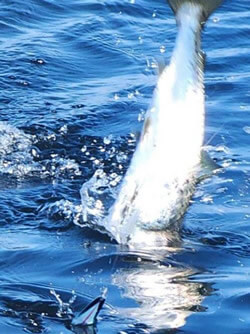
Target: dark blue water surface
76 79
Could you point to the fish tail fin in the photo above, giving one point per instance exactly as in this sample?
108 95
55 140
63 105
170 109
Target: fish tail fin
88 315
207 6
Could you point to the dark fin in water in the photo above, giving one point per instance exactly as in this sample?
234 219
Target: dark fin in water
88 315
208 6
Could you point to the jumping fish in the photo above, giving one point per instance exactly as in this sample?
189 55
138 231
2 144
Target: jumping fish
161 178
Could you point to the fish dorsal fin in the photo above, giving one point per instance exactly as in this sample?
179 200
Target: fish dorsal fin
88 315
208 6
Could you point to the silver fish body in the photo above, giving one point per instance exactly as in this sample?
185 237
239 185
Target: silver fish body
161 178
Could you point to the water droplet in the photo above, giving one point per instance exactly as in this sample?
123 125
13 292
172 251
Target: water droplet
121 157
34 153
153 65
38 61
141 116
51 136
107 140
104 292
222 148
78 106
24 83
162 49
63 129
247 129
221 190
84 148
207 199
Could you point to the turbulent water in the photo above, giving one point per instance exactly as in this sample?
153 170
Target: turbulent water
76 80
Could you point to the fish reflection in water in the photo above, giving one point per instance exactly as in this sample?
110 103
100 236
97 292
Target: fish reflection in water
164 295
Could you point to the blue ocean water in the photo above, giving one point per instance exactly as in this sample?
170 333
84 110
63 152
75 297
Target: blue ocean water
76 79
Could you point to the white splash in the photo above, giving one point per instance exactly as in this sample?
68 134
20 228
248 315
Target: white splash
16 157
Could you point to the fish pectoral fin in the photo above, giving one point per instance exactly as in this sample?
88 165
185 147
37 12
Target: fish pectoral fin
208 162
87 316
209 166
